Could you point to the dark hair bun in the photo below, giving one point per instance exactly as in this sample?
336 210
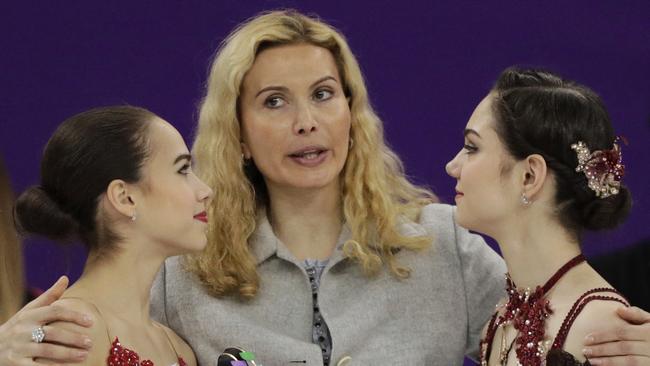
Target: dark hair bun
605 213
37 213
538 112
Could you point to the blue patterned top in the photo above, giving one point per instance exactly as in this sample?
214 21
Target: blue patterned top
320 332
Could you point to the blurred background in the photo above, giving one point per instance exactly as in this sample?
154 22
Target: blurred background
427 64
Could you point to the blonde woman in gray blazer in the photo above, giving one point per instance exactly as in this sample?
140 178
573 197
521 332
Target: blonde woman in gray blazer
321 252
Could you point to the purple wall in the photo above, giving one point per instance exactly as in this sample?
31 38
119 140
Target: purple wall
427 64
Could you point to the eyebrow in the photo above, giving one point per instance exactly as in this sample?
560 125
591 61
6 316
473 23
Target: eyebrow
469 131
187 157
282 88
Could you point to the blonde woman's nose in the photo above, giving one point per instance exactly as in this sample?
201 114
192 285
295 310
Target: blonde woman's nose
305 121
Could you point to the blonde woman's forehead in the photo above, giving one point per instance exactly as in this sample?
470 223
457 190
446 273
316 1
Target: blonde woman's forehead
278 63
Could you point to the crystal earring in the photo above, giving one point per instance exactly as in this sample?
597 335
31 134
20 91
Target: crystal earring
525 199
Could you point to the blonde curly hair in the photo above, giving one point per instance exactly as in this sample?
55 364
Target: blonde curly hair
376 195
12 281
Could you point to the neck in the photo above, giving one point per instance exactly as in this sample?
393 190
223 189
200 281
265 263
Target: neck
121 282
308 222
534 252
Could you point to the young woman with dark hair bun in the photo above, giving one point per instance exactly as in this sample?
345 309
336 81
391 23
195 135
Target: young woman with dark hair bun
120 180
540 165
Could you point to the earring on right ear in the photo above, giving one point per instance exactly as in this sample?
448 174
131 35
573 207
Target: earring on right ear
245 161
525 199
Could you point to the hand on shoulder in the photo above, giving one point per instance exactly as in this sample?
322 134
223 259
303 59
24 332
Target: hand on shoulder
62 346
595 316
96 336
627 344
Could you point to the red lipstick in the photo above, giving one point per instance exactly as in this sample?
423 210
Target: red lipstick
201 216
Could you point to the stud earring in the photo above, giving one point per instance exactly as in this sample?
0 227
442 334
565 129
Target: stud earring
133 216
245 161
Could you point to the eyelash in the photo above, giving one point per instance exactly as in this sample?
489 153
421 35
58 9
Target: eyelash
470 149
330 92
268 100
184 170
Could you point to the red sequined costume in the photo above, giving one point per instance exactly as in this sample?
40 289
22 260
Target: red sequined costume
122 356
119 355
528 312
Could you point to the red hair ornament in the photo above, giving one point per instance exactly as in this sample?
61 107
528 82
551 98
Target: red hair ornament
604 169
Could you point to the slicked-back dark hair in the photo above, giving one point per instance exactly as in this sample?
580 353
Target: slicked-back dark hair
85 153
538 112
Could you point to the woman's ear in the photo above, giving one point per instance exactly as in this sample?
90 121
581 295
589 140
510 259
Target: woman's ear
245 150
120 198
534 176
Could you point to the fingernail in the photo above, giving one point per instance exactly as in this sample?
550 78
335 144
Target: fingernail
587 351
88 342
589 338
87 320
81 354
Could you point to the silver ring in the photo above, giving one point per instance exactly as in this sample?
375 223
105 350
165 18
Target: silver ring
38 335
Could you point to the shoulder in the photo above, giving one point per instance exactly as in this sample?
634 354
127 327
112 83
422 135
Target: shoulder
436 220
183 349
597 315
437 214
439 220
97 332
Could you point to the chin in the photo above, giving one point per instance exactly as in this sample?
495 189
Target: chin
193 243
310 182
199 244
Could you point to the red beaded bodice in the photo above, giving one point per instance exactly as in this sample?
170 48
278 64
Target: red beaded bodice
527 312
122 356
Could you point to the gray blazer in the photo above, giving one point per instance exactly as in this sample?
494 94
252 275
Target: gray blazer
432 318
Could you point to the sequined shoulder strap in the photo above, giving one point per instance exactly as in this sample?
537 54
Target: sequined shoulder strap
578 306
101 315
485 345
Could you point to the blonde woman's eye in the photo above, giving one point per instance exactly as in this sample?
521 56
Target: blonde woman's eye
323 94
274 102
